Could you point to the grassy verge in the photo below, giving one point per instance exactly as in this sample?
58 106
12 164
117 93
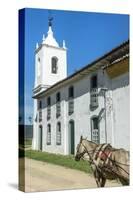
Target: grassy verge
66 161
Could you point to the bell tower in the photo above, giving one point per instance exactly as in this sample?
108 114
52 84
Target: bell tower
50 61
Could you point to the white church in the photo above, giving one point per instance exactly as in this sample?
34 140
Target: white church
93 102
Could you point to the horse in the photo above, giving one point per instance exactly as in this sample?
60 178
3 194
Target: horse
106 162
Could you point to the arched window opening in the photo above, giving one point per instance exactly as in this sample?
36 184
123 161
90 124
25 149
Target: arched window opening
70 100
49 134
58 104
38 67
54 63
58 134
48 108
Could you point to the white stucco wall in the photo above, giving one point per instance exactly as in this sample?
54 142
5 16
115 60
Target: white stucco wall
121 111
114 124
82 115
53 122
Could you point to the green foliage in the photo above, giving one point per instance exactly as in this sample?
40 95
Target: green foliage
63 160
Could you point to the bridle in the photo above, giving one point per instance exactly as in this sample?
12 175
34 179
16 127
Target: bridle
80 155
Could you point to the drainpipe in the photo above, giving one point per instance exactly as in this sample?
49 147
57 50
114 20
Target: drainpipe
104 92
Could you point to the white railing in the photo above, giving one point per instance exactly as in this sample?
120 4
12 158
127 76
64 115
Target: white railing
70 106
95 135
94 97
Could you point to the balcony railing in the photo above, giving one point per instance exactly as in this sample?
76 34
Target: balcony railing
70 106
58 109
95 135
48 112
94 98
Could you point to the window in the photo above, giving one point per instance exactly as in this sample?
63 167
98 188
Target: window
95 129
39 66
58 104
93 92
54 62
71 92
48 101
58 134
71 100
48 108
58 97
95 123
49 134
40 110
94 81
40 116
39 104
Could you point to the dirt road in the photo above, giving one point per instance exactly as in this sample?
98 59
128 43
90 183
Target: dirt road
41 176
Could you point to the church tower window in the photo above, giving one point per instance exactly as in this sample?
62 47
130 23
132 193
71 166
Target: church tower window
54 62
39 67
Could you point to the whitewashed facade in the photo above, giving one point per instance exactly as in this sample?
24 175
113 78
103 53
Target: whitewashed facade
93 102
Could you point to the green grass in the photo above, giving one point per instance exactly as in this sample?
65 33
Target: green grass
28 142
66 161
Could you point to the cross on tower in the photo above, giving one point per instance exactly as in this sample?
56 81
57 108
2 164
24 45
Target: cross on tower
50 21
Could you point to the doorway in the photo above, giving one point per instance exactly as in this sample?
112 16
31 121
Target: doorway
40 138
71 137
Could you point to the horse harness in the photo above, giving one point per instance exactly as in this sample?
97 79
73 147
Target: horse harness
102 159
102 155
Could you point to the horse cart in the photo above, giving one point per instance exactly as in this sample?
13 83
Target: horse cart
106 162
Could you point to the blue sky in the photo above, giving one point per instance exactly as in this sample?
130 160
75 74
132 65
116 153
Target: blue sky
87 35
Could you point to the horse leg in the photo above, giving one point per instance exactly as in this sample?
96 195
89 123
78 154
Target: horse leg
103 181
97 178
100 180
124 182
